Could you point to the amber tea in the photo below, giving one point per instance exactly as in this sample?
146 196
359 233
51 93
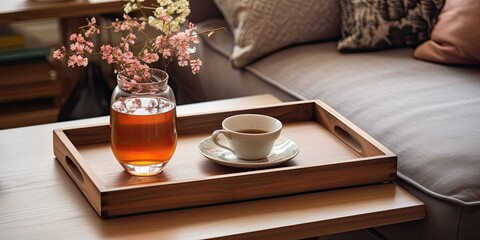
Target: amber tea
143 130
252 131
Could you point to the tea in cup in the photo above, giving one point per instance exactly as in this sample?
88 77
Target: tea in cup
249 136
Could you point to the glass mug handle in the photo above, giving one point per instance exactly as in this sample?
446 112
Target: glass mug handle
215 135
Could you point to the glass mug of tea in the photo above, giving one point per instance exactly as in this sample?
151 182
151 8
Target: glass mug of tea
142 120
249 136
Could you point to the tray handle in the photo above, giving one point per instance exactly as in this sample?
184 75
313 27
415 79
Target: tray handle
63 149
75 170
348 139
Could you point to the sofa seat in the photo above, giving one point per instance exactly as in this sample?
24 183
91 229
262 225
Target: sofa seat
428 114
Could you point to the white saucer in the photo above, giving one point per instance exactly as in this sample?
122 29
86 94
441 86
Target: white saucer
283 150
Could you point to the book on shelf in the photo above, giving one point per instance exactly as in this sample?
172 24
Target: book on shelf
23 55
11 41
26 66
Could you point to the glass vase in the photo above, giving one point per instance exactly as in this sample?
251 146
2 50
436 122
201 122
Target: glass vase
143 128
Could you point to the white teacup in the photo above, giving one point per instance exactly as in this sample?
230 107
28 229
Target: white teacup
249 136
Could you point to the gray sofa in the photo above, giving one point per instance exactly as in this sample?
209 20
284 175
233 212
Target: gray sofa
426 113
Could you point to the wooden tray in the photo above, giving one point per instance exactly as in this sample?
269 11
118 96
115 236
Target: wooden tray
333 153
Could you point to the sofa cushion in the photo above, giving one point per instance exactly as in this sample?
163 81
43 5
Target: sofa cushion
379 24
455 38
263 26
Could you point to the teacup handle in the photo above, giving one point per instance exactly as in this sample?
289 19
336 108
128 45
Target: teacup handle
215 139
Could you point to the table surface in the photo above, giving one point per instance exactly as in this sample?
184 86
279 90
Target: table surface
39 200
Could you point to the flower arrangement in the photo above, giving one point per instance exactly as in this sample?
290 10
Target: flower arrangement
132 57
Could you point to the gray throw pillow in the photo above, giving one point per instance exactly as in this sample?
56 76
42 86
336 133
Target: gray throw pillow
380 24
263 26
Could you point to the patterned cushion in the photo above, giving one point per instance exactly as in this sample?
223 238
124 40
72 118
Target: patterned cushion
379 24
263 26
455 37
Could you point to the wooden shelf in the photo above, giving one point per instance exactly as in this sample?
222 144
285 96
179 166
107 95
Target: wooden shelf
27 73
19 10
31 91
34 82
24 113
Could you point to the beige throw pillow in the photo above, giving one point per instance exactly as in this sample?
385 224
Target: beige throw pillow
455 37
263 26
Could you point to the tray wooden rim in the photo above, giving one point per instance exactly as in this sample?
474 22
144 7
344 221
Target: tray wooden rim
88 176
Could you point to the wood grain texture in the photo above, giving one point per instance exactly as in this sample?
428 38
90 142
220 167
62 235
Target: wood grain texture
26 73
40 201
30 117
31 91
324 162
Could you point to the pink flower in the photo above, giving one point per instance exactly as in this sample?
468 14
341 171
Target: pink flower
131 38
92 27
132 55
167 53
59 54
106 51
78 60
195 64
89 47
77 48
182 63
149 57
165 18
79 38
73 37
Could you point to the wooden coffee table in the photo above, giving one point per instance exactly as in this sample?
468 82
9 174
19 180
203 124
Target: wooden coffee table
39 200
